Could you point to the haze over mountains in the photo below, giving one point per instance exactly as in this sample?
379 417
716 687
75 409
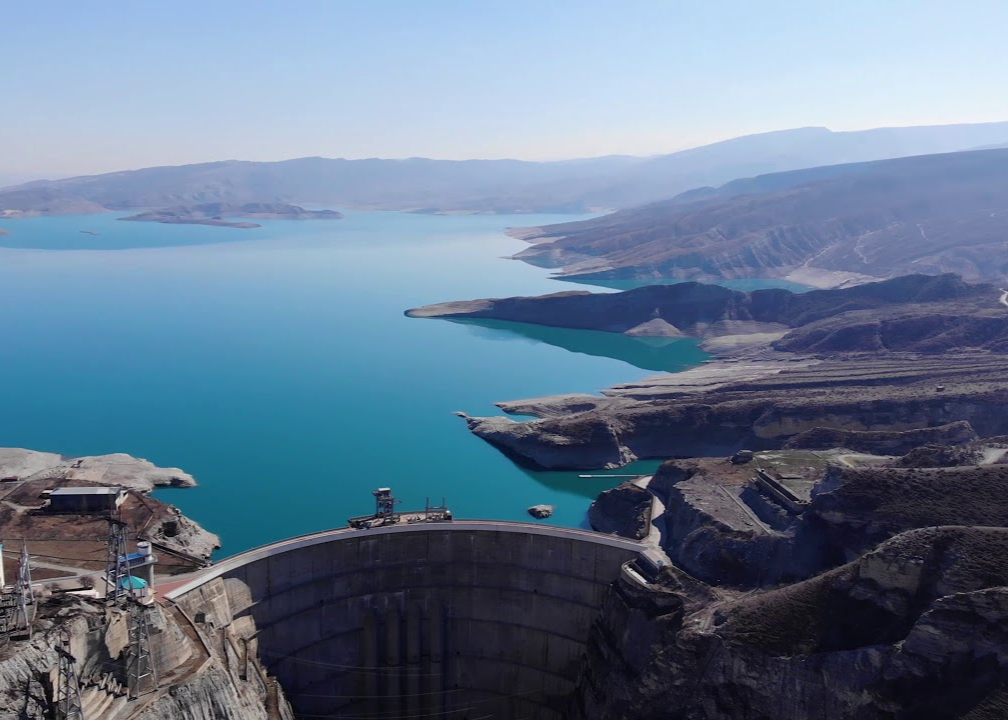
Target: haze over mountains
487 186
821 226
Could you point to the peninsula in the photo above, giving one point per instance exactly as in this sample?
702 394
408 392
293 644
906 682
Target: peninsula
869 317
905 354
28 475
216 214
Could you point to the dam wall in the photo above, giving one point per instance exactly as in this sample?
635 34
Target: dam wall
470 619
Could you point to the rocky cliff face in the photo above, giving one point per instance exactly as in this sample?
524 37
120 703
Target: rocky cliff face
916 629
624 511
217 694
199 679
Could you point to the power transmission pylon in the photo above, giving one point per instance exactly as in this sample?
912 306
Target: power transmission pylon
117 568
26 596
142 676
68 695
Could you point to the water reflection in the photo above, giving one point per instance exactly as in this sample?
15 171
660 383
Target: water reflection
658 354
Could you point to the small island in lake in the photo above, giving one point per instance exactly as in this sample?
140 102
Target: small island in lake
216 214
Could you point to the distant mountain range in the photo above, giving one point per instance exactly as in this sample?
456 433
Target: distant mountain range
822 226
485 186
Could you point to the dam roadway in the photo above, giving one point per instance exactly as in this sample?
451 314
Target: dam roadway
468 619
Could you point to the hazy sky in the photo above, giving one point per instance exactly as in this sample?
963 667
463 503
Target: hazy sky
100 86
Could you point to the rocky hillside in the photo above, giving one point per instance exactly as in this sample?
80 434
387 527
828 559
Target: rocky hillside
885 598
825 226
906 355
918 313
201 674
916 629
718 409
73 539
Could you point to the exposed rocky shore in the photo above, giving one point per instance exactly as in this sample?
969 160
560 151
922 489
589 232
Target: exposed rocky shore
917 313
905 355
28 473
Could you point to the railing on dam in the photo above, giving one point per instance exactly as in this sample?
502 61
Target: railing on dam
453 620
323 536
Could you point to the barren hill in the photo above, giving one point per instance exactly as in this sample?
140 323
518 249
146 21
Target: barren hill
931 214
919 313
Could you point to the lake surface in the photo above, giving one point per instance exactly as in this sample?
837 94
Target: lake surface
276 365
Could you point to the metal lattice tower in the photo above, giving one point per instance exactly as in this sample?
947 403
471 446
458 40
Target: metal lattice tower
142 675
68 694
26 596
117 570
385 503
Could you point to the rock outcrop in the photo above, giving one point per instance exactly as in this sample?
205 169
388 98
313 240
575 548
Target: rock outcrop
725 529
623 511
899 442
116 469
942 456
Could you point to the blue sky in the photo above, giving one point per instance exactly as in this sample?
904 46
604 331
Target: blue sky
94 87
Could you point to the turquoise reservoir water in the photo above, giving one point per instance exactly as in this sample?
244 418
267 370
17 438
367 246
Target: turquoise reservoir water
276 364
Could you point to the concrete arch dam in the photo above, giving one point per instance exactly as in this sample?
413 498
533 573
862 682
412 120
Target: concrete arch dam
466 620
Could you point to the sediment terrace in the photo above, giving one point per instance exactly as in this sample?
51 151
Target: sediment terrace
462 620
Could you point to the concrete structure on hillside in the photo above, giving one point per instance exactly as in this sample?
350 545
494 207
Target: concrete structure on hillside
84 500
462 620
